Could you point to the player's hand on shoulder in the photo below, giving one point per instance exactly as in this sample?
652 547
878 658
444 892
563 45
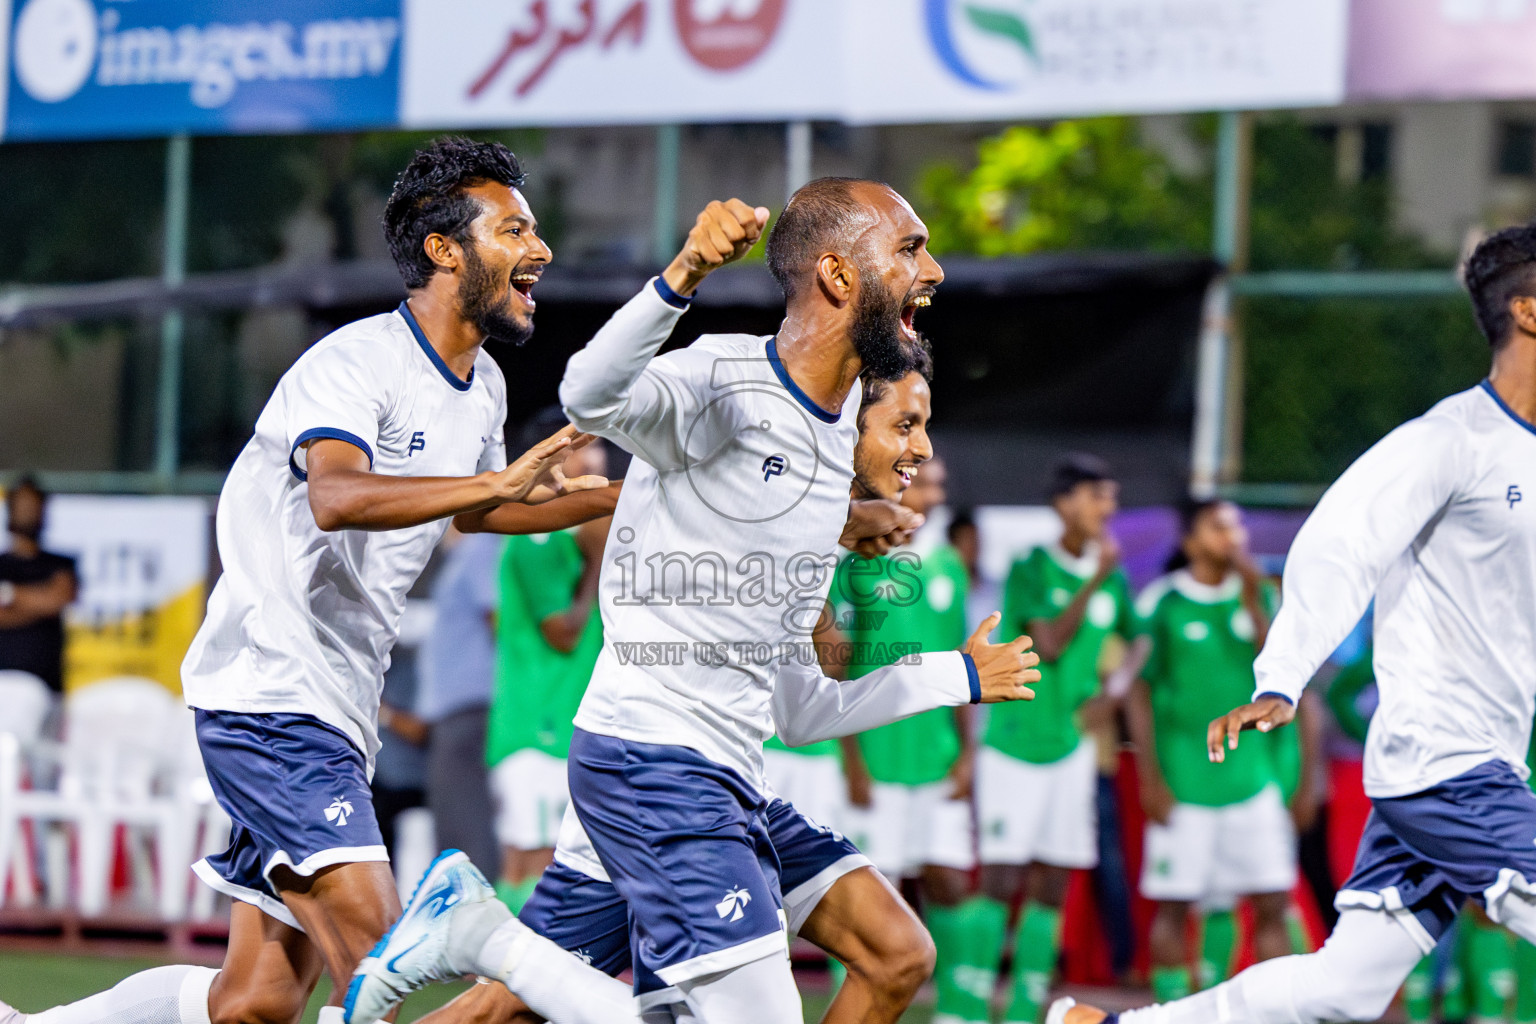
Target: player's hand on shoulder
1265 714
876 525
537 475
722 233
1007 671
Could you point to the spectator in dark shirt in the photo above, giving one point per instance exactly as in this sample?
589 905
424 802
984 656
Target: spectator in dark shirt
35 587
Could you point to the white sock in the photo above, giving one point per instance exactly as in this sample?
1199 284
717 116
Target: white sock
557 985
1352 978
331 1015
163 995
762 991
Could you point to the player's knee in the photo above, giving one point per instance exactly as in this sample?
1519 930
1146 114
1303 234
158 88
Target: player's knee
901 968
270 1004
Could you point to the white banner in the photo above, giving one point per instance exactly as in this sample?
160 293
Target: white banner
958 60
543 62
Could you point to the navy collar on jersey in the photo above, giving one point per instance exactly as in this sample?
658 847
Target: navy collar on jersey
437 360
794 389
1487 385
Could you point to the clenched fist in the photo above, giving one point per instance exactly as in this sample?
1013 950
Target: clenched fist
723 233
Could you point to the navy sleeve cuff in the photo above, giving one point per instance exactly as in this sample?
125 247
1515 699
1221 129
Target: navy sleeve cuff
1272 693
671 297
331 433
973 677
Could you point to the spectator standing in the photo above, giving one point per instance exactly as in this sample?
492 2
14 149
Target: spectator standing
35 588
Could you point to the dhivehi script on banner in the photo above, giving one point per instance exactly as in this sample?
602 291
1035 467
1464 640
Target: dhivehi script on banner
542 62
143 567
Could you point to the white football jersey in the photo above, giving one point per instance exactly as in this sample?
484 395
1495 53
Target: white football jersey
1438 522
725 537
303 621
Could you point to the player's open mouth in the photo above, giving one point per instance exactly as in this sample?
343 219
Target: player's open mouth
905 473
523 283
910 312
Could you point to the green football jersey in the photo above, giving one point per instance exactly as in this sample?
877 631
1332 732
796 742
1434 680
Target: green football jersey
899 606
537 687
1201 667
1040 586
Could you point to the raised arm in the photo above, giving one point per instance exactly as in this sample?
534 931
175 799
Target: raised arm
613 387
809 707
1362 525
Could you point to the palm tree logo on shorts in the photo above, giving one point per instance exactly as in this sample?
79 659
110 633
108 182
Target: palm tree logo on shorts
338 811
734 900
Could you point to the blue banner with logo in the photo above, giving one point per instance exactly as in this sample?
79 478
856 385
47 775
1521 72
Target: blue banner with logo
98 68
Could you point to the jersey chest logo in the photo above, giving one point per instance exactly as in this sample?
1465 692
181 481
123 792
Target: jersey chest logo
418 443
774 465
1513 495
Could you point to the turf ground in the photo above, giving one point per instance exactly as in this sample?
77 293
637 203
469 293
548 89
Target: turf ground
35 981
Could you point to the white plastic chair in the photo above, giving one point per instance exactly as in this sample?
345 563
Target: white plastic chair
111 763
117 743
25 701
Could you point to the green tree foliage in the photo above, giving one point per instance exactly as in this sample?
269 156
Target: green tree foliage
1324 378
1073 184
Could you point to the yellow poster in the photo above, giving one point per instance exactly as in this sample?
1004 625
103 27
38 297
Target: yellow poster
143 566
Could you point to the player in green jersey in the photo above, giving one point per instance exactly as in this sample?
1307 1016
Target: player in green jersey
909 783
1036 773
548 637
1212 832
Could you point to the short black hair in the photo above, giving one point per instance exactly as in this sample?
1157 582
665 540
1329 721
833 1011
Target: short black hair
429 198
875 388
1501 269
822 216
1075 468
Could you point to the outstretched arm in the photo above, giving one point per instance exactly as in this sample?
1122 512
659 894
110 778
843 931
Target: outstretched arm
809 707
345 493
559 513
1362 525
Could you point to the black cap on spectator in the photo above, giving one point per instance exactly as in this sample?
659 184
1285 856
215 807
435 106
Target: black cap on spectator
1073 469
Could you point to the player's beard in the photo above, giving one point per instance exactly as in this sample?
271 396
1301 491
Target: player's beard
884 348
480 299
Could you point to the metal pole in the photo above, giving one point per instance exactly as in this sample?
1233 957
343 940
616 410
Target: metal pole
669 144
178 184
1218 418
797 156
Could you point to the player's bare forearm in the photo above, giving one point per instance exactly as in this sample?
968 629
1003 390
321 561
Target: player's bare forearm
1143 731
344 498
556 514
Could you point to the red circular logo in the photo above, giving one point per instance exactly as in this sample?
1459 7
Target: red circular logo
724 35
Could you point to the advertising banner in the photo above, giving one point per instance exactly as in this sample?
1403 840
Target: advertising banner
546 62
1442 49
143 568
957 60
93 68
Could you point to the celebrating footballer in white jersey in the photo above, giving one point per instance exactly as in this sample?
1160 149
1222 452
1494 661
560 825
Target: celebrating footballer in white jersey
717 570
1432 522
370 443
